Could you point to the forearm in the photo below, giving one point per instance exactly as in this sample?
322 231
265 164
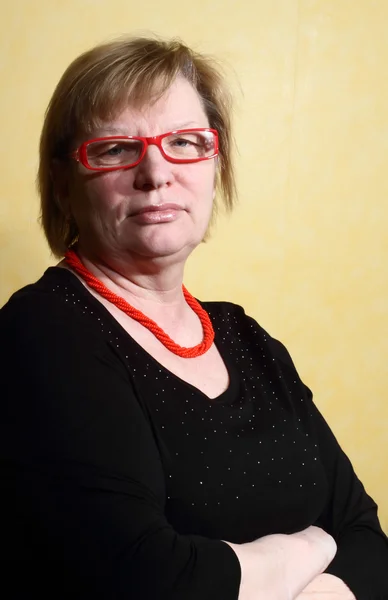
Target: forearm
362 562
279 567
350 515
326 587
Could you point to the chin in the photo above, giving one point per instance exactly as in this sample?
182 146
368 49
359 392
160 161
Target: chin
172 251
167 244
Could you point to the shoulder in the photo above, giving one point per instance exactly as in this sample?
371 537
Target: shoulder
44 311
40 292
232 317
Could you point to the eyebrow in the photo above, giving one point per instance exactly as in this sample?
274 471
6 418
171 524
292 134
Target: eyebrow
110 130
123 130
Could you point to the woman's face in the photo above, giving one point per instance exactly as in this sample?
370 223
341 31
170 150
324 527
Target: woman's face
109 207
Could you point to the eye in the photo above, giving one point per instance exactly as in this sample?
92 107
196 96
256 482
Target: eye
183 142
187 145
115 150
112 153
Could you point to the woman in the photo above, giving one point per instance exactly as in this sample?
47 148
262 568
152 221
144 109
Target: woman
152 446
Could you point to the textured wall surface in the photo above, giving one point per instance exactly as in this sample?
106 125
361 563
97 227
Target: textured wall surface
306 251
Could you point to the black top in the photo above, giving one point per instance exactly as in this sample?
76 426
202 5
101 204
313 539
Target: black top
119 479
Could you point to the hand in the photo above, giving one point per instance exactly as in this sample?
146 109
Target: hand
280 566
319 541
317 546
326 587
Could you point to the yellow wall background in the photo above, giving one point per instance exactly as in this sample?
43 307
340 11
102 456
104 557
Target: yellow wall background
306 251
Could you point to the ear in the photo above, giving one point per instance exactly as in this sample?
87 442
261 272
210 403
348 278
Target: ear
59 173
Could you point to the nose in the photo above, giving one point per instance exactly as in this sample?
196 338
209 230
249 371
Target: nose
154 171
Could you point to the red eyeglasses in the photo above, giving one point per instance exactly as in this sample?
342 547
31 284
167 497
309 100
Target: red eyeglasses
121 152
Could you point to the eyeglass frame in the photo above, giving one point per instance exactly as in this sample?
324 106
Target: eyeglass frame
80 154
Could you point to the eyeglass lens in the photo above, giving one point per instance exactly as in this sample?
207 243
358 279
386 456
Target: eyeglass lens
179 146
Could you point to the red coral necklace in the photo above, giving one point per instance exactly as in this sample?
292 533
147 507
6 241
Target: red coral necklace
75 263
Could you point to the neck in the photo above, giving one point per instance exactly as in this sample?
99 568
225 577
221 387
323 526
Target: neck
144 282
96 284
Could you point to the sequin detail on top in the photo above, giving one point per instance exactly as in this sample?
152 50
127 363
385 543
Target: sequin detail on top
251 447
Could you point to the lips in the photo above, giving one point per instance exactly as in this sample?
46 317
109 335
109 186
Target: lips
157 214
156 208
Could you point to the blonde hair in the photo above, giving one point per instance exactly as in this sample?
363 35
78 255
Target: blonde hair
103 80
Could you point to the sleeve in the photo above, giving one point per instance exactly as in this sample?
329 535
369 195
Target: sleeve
82 484
350 516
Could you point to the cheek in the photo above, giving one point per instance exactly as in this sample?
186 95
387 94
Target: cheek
105 190
200 179
97 194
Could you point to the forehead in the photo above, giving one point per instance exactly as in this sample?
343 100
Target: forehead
180 106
